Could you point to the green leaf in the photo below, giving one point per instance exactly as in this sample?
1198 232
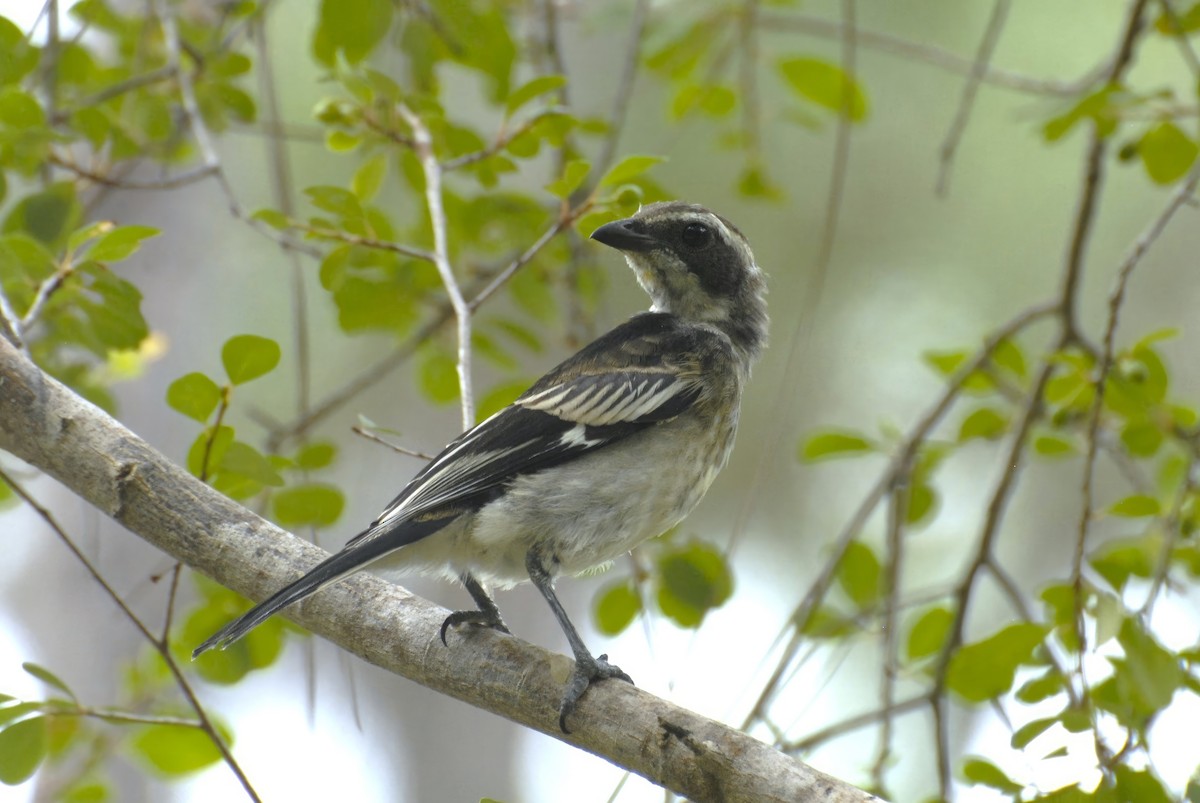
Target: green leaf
1136 506
176 750
693 580
827 85
1053 446
628 168
49 678
194 395
980 771
1167 153
368 178
315 504
530 90
20 110
313 456
574 172
986 422
1031 730
23 747
835 444
438 373
986 669
616 607
248 357
120 243
860 575
273 218
928 634
1148 675
922 501
1041 687
352 28
1140 785
1007 355
336 200
246 462
1117 561
1141 438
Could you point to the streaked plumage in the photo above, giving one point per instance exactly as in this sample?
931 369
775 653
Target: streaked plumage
614 446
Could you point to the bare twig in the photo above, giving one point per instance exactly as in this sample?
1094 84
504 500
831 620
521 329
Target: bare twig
829 732
423 147
371 436
897 514
979 69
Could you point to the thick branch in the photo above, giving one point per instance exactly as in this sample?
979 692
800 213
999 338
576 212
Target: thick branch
48 426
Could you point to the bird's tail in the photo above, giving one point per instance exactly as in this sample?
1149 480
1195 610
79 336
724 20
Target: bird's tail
330 570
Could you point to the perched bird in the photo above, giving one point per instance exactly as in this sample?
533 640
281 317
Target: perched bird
614 446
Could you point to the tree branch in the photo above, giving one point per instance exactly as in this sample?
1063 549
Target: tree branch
48 426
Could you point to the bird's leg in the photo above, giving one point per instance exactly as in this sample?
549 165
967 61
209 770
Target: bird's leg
488 614
587 668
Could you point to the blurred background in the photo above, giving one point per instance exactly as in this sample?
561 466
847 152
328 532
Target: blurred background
910 270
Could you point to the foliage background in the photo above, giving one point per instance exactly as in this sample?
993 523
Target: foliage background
864 281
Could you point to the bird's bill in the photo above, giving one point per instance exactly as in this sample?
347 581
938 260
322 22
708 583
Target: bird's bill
625 235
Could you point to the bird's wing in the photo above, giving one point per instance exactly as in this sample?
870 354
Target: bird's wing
643 372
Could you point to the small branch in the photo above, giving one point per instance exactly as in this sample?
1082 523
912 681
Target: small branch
853 723
423 147
367 242
371 436
171 182
44 292
979 69
897 513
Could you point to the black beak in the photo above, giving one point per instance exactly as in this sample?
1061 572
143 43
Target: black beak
626 235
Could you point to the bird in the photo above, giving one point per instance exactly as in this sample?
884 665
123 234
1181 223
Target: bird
614 446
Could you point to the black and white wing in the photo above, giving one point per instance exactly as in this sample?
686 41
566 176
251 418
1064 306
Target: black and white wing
641 373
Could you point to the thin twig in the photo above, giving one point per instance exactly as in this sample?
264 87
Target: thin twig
829 732
367 242
371 436
423 147
897 514
983 58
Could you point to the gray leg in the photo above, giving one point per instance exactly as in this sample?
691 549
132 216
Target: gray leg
488 614
587 669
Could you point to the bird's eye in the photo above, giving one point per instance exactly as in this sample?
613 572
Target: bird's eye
696 236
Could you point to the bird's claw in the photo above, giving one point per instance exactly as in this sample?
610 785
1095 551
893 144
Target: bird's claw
586 672
478 618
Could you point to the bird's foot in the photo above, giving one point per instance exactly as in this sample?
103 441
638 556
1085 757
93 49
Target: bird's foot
587 671
479 618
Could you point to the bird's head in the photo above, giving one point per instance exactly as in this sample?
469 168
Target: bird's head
695 264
